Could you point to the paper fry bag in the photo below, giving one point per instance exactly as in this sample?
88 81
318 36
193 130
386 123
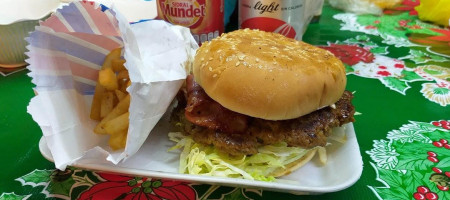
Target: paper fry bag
65 54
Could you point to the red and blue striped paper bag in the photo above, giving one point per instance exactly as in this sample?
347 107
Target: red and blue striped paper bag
65 54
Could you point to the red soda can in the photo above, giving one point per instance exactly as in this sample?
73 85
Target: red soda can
203 17
287 17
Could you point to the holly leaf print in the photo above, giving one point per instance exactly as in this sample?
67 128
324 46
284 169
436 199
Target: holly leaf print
392 193
59 189
416 163
362 38
379 50
12 196
395 84
416 155
444 163
419 57
411 76
391 177
348 68
412 180
35 178
413 156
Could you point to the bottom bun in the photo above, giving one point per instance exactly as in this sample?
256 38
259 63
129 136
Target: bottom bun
294 165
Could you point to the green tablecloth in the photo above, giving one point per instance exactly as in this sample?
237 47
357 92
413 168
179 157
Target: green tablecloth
398 67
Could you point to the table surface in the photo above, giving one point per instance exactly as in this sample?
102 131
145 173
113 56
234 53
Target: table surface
398 67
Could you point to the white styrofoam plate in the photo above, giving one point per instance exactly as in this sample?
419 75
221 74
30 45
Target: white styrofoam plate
343 169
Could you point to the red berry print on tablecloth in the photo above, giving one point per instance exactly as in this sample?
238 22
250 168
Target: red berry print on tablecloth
432 154
425 193
433 159
444 124
419 196
398 65
415 155
431 196
422 189
383 73
443 188
437 170
437 144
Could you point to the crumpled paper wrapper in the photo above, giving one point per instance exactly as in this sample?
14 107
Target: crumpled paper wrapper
65 54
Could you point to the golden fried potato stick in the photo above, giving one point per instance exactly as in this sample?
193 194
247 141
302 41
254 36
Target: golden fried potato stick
117 124
121 108
96 102
113 55
117 65
107 78
118 140
123 75
120 95
107 104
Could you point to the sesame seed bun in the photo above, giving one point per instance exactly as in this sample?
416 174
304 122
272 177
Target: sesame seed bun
266 75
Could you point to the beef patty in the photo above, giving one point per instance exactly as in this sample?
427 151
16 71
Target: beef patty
306 131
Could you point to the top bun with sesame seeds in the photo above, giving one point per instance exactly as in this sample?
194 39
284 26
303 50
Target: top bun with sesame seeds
267 75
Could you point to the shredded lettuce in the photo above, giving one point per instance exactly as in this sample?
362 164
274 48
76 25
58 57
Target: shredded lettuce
205 160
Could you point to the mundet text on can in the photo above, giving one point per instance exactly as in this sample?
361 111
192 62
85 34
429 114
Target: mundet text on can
205 18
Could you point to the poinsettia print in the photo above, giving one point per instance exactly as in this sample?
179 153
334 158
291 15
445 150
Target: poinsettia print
350 54
125 187
421 170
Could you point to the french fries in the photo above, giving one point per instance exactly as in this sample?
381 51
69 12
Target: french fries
108 79
111 100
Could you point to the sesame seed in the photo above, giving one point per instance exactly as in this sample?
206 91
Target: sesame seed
202 59
238 63
257 60
210 58
210 69
215 75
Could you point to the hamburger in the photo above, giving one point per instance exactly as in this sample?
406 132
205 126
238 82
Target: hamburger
258 105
